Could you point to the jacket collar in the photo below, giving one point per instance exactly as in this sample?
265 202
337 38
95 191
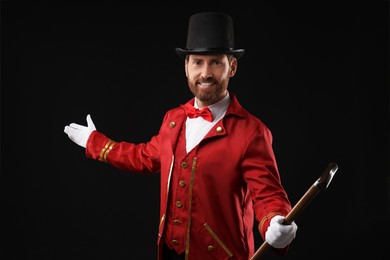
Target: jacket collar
235 107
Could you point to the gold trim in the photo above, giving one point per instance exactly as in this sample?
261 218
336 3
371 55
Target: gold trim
106 149
218 240
169 176
166 202
270 215
159 226
190 207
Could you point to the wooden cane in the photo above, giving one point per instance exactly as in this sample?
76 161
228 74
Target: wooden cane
319 185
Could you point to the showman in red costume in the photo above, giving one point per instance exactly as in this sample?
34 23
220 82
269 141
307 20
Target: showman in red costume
216 161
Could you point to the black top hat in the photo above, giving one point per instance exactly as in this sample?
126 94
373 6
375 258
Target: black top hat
210 33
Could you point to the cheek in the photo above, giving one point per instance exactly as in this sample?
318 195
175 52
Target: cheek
225 75
191 75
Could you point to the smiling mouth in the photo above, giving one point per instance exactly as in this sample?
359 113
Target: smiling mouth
205 85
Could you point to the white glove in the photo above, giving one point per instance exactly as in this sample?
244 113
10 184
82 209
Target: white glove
79 133
280 235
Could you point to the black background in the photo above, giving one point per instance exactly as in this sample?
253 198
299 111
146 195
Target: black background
315 73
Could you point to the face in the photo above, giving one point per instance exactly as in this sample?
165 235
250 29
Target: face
208 76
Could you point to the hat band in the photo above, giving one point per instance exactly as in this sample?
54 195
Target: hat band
209 50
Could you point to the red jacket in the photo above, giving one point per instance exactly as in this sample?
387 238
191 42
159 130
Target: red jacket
235 177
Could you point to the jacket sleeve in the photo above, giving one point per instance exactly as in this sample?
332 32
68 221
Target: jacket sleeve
263 179
140 158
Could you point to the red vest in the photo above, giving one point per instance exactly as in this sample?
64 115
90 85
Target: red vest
178 201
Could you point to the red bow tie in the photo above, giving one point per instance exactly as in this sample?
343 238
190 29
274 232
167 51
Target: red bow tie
193 112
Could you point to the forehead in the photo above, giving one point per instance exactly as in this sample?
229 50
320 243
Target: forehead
207 56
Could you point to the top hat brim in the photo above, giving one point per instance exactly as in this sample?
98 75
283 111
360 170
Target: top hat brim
183 52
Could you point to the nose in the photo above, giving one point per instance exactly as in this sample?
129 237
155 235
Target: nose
206 72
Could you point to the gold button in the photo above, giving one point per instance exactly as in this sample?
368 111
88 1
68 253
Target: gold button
219 129
182 183
178 204
172 124
176 222
210 248
174 242
184 165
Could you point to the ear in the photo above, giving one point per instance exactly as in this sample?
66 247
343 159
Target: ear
186 67
233 67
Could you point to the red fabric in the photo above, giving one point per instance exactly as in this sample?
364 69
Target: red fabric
193 112
177 217
234 176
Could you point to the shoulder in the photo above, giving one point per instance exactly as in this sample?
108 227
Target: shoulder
174 115
236 110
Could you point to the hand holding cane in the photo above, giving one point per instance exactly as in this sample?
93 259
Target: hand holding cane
319 185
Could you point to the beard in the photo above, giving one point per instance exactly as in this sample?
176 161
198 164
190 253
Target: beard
210 95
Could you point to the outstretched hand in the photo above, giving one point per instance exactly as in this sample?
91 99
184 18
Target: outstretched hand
280 235
79 133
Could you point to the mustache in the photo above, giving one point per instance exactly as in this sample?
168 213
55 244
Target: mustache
208 80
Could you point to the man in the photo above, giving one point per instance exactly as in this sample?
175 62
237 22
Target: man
217 166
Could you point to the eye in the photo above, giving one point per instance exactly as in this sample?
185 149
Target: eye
197 62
